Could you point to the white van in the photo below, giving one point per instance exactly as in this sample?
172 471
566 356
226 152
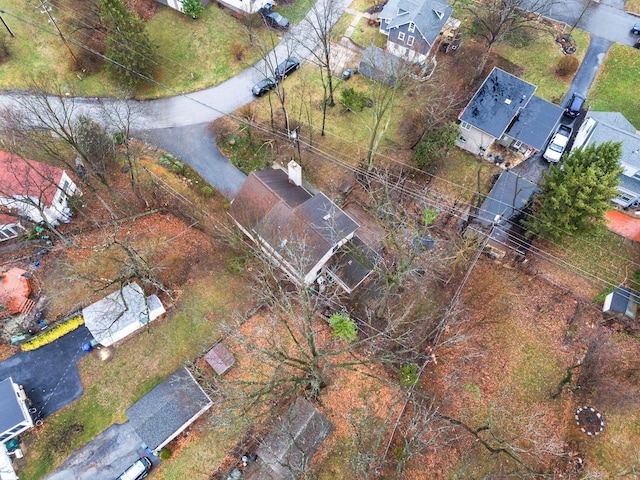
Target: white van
140 469
584 133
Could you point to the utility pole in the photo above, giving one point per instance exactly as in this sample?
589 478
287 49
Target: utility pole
6 25
46 9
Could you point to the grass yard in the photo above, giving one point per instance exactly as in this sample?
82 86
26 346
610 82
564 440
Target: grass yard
539 61
365 35
615 88
192 54
632 6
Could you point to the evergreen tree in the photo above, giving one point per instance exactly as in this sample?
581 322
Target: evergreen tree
577 193
128 45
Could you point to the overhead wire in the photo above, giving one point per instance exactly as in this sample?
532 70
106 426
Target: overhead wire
335 159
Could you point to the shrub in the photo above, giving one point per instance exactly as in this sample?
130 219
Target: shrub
568 65
237 50
193 8
53 334
207 191
409 375
353 100
165 454
343 327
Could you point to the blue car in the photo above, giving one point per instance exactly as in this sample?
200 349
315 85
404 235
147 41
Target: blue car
264 86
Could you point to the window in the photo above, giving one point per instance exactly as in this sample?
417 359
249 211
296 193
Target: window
465 126
65 185
637 175
401 36
412 27
410 40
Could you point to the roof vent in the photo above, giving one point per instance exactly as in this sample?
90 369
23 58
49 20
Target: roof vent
508 101
326 217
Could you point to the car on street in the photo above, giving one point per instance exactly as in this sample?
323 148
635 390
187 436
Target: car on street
558 144
636 29
274 19
575 105
264 86
637 44
283 70
139 470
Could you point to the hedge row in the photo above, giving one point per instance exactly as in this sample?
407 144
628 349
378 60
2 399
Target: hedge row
53 334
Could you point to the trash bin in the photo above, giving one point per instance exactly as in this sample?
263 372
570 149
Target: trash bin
347 74
12 445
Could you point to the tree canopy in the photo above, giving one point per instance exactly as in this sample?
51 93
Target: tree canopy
128 45
577 193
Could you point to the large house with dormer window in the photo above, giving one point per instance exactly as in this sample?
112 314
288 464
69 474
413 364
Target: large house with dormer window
33 191
412 26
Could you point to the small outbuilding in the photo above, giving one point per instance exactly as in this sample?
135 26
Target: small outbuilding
220 359
167 410
289 446
14 414
622 304
121 313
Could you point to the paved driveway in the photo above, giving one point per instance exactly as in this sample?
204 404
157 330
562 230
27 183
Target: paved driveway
105 457
50 373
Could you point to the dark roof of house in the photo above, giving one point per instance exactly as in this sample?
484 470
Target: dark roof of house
167 408
497 101
284 214
428 15
510 194
354 263
11 414
219 358
622 300
535 123
620 131
290 445
380 66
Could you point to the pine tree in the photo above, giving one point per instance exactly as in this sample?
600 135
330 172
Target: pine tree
128 45
577 193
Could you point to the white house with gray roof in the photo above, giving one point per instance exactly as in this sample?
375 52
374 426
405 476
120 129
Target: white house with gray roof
412 26
505 110
600 127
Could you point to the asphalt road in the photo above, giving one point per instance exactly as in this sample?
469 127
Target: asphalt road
49 374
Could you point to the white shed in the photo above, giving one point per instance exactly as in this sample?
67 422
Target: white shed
121 313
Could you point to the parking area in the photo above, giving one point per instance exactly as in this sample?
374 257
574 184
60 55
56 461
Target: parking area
105 457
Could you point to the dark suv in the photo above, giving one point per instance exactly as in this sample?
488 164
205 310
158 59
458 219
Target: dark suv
575 105
283 70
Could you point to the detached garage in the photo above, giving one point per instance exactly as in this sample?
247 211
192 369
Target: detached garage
121 313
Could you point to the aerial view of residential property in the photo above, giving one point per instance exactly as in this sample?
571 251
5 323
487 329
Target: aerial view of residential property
319 239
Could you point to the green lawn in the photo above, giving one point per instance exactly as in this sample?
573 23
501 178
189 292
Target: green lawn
632 6
615 88
366 35
539 61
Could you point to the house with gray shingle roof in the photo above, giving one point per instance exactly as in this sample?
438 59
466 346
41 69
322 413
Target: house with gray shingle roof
412 26
14 414
505 110
600 127
288 448
299 231
168 409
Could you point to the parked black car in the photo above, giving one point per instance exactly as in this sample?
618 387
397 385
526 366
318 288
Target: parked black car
575 105
637 44
283 70
263 86
274 19
636 29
